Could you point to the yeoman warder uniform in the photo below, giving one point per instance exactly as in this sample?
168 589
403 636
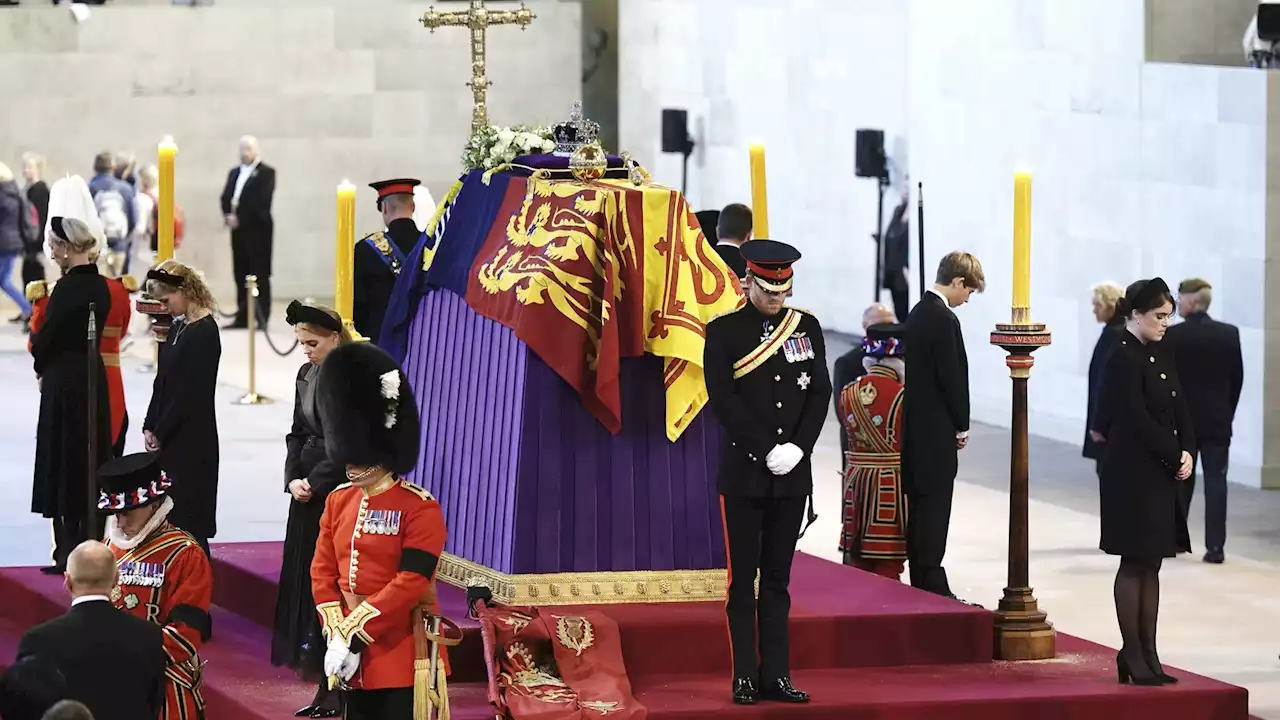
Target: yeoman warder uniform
379 258
164 576
769 388
373 575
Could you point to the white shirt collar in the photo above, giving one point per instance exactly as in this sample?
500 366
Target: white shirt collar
89 598
944 297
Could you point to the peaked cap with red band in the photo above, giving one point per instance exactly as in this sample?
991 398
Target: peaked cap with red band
399 186
770 263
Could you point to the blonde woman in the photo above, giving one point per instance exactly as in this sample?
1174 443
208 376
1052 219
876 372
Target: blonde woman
1105 297
181 422
12 243
37 193
309 477
61 352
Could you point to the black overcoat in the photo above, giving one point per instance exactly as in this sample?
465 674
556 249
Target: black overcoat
182 414
1107 340
62 355
1143 414
297 642
936 401
781 401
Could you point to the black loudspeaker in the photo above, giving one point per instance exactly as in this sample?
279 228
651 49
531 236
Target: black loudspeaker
675 131
870 160
1269 22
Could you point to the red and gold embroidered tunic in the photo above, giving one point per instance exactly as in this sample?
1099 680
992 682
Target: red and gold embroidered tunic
875 511
167 580
116 325
374 567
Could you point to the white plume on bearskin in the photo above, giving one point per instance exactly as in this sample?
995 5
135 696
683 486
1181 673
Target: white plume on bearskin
367 409
70 198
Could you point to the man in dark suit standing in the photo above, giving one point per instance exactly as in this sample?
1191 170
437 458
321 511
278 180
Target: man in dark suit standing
1207 355
897 241
767 383
733 230
935 417
246 210
381 255
113 662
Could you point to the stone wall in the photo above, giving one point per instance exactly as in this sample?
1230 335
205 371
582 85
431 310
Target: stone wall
1140 168
333 89
1203 32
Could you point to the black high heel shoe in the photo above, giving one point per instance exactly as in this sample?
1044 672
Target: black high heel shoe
1124 675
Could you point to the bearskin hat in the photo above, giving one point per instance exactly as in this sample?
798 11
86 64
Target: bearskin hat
367 409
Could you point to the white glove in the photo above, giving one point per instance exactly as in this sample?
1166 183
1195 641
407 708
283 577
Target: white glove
784 458
336 657
349 666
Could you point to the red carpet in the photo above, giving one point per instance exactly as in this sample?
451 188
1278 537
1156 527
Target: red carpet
864 647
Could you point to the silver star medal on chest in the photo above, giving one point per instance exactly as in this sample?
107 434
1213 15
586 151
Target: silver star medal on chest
804 380
768 330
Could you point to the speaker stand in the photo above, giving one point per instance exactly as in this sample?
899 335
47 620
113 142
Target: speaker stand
882 184
684 173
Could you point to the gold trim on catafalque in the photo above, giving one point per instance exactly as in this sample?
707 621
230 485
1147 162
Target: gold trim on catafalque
586 588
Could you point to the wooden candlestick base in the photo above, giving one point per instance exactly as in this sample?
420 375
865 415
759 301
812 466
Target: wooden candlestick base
1022 630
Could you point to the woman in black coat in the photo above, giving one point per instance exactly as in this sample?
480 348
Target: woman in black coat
1105 297
63 354
309 477
182 423
1149 444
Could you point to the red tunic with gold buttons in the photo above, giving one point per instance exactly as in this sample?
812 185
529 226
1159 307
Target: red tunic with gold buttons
117 324
167 580
374 565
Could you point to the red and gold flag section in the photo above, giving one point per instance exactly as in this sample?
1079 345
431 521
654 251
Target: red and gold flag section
586 274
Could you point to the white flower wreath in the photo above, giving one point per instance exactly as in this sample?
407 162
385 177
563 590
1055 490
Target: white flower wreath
493 146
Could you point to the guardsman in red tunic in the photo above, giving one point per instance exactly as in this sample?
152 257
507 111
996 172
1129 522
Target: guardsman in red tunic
164 576
373 573
116 325
874 528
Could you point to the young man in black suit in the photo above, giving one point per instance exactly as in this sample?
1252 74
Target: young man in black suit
935 416
733 229
246 211
113 662
1211 368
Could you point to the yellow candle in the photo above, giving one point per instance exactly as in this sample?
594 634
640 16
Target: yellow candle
164 210
1022 240
345 251
759 194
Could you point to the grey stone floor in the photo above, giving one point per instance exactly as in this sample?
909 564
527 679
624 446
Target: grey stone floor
1216 620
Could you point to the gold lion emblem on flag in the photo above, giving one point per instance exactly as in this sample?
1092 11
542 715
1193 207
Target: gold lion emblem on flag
575 633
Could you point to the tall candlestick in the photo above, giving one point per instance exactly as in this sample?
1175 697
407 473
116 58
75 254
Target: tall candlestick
759 194
1021 241
164 209
345 256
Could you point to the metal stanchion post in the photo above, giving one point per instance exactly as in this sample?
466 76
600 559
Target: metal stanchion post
251 293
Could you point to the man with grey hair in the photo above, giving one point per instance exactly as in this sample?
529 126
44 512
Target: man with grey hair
114 200
113 662
1211 370
246 211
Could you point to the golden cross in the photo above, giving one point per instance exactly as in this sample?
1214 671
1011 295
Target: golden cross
478 18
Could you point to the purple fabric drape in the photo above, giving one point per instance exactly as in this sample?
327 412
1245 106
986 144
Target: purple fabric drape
530 481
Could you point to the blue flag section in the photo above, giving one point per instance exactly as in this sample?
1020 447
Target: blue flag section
465 224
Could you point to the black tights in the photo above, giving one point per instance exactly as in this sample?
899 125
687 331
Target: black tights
1137 594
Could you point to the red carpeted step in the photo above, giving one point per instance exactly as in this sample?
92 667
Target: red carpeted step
239 681
840 617
1078 685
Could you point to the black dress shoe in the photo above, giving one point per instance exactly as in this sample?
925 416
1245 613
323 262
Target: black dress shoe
1215 557
54 569
781 690
745 692
324 712
305 712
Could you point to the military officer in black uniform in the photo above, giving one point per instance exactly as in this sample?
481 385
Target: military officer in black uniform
766 371
381 255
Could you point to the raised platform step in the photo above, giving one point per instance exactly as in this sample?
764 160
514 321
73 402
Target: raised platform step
1080 684
239 681
840 618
